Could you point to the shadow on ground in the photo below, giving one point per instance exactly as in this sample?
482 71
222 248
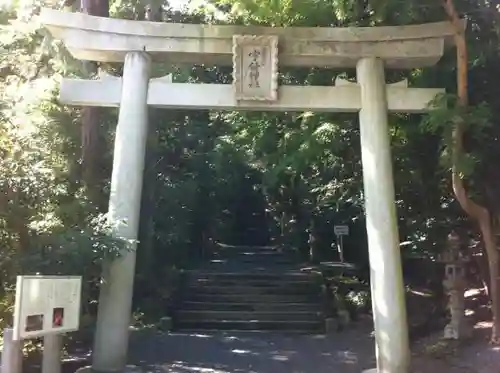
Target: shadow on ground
351 351
251 352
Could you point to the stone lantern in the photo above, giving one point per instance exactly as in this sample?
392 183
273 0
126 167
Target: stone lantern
454 283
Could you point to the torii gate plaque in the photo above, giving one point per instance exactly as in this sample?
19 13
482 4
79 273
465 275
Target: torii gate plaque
255 67
138 43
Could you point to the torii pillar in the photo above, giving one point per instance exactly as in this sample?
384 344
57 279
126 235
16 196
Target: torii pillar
386 276
370 50
115 297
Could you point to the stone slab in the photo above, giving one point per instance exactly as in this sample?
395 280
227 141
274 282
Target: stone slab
331 325
127 369
165 324
343 98
344 318
106 39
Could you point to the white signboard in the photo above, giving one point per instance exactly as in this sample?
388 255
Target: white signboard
341 230
46 305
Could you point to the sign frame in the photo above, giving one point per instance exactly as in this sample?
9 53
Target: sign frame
341 230
52 307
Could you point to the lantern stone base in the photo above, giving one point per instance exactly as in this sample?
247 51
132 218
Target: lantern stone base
462 331
165 324
331 325
344 318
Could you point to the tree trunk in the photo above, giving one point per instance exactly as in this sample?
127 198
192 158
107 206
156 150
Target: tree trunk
483 272
493 262
93 140
477 212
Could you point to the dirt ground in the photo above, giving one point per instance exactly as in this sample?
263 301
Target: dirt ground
351 351
476 355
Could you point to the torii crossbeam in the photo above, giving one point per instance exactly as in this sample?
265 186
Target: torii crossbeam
162 93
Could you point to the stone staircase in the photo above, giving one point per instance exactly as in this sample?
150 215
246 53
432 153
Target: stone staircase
251 289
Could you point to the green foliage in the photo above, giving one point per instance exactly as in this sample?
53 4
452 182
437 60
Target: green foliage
331 13
443 119
47 224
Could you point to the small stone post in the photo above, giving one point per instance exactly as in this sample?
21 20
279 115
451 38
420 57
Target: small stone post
12 354
454 284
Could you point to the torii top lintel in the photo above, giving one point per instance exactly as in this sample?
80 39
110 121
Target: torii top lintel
109 40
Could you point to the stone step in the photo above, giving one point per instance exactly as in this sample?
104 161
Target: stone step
252 260
303 284
255 249
291 315
251 290
272 289
283 325
253 298
291 275
259 307
249 251
246 268
261 255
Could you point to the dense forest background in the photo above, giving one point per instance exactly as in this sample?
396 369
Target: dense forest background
231 177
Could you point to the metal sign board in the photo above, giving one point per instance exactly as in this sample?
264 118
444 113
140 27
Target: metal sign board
46 305
341 230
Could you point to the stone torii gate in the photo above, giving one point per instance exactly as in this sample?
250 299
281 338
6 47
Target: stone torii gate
256 54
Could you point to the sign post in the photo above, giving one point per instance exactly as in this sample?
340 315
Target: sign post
47 306
52 348
341 231
12 353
